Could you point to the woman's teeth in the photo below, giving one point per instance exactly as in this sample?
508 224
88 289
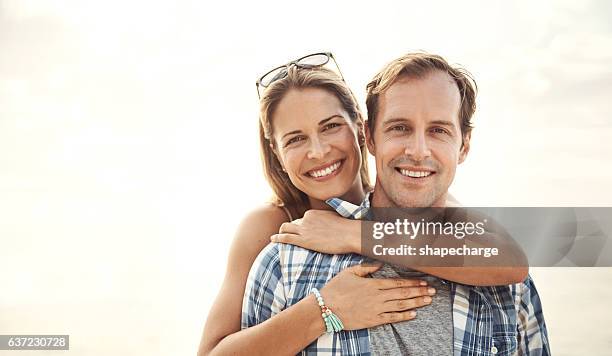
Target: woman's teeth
324 172
414 174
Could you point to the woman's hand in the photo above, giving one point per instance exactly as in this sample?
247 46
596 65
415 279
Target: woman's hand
362 302
322 231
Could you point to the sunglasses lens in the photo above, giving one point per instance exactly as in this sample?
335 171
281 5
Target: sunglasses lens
273 75
311 61
315 60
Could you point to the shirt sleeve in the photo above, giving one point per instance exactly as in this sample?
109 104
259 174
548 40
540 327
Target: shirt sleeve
532 333
264 295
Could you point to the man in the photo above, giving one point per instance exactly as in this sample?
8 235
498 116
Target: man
419 111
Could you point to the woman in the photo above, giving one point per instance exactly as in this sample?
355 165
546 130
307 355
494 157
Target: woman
312 147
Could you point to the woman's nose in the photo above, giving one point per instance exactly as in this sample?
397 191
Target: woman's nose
318 149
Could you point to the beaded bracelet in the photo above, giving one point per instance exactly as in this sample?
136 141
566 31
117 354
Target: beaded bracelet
332 322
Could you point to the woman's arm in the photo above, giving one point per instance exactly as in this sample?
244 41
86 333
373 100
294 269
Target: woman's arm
296 327
224 316
313 232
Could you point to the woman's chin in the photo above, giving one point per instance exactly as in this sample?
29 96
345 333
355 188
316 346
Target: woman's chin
328 194
337 187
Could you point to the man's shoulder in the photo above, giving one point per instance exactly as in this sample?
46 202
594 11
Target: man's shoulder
528 287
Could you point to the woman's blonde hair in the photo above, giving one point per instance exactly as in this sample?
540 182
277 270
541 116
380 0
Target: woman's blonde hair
285 193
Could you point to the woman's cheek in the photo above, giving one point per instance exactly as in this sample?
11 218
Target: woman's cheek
292 163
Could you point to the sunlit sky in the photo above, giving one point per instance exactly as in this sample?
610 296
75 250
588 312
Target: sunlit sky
128 142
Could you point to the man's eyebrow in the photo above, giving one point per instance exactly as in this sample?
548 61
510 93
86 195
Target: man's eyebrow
395 119
446 123
443 123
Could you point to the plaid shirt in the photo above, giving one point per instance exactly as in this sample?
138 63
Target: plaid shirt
501 320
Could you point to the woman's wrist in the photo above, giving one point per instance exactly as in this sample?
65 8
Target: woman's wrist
353 237
315 323
331 320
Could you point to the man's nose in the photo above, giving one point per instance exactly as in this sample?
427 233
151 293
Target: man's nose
417 147
318 148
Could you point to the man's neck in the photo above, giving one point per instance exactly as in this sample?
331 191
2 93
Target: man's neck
379 199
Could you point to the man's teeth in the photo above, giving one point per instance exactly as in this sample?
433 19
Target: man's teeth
414 174
324 172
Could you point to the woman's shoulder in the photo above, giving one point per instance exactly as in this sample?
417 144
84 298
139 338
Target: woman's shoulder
267 212
260 223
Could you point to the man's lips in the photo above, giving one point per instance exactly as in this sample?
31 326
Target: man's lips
415 172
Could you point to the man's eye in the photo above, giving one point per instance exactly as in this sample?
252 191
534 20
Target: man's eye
294 140
439 130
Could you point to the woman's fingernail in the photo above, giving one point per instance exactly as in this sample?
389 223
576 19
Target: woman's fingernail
431 291
273 238
423 283
427 299
412 313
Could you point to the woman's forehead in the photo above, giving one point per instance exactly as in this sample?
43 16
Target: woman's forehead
305 107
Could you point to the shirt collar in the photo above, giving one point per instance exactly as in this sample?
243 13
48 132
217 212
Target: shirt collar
350 210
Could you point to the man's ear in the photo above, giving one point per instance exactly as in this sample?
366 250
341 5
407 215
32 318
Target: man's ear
369 138
360 133
465 147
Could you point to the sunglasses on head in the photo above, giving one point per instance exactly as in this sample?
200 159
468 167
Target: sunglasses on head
314 60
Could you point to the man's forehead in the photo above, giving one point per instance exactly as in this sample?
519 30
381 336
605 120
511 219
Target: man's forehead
434 96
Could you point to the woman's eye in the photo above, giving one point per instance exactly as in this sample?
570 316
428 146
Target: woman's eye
294 140
331 125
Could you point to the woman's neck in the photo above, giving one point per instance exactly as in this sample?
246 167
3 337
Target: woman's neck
355 195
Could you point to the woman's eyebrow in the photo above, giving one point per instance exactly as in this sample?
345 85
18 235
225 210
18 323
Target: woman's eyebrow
290 133
322 122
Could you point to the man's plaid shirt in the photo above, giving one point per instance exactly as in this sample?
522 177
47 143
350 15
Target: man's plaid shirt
502 320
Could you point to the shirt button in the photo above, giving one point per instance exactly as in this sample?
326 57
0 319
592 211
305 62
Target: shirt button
494 350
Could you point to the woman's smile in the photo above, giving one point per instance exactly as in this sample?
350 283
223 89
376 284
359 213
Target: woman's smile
326 171
318 144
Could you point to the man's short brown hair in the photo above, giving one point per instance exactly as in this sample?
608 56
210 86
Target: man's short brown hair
418 65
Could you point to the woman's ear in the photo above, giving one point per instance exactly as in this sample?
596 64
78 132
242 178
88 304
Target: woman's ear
361 138
280 161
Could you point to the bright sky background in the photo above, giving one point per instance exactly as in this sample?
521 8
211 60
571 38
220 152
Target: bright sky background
126 127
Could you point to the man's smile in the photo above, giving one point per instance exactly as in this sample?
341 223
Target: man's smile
415 175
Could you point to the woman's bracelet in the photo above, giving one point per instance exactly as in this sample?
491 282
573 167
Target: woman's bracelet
332 322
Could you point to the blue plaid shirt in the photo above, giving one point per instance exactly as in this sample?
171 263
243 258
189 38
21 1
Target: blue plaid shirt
501 320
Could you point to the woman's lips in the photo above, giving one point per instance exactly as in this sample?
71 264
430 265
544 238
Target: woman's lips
325 172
